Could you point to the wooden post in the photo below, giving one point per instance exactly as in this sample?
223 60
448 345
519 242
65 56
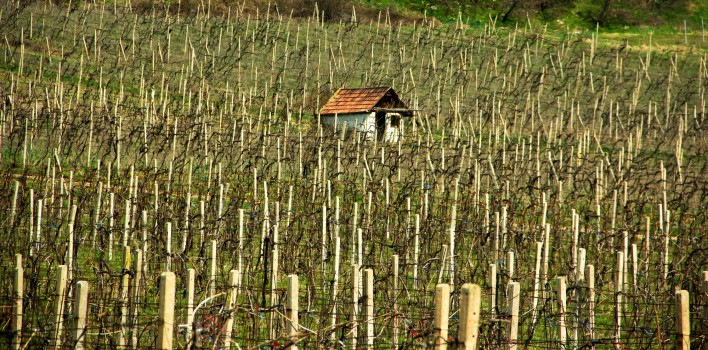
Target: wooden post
355 304
590 278
442 312
510 265
705 302
190 305
562 331
291 311
80 310
136 297
123 298
212 270
619 282
683 325
18 291
468 330
59 306
168 248
493 286
369 307
546 251
513 295
233 284
536 282
395 304
166 313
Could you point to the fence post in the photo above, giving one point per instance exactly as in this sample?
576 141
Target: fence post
166 313
18 289
468 330
442 312
513 295
683 325
562 331
291 311
369 307
59 306
80 310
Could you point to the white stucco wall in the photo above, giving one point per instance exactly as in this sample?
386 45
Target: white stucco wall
361 122
366 123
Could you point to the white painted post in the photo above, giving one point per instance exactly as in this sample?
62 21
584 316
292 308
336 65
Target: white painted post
513 296
291 311
442 312
468 330
369 307
18 293
166 313
59 307
683 325
80 311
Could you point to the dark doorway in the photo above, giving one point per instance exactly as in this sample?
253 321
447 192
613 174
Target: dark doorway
380 125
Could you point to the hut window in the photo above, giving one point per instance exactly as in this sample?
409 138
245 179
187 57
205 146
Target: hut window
395 119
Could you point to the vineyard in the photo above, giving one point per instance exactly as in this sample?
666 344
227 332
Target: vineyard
166 182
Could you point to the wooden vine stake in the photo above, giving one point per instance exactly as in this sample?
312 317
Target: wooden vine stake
619 282
190 304
513 295
683 325
18 292
80 310
590 282
468 330
233 283
442 312
291 311
59 306
369 307
166 313
355 304
562 330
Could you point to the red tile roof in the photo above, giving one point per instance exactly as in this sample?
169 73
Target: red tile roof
354 100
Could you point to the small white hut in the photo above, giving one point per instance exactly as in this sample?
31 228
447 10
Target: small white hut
376 112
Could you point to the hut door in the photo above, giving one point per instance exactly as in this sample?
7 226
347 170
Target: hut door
380 125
